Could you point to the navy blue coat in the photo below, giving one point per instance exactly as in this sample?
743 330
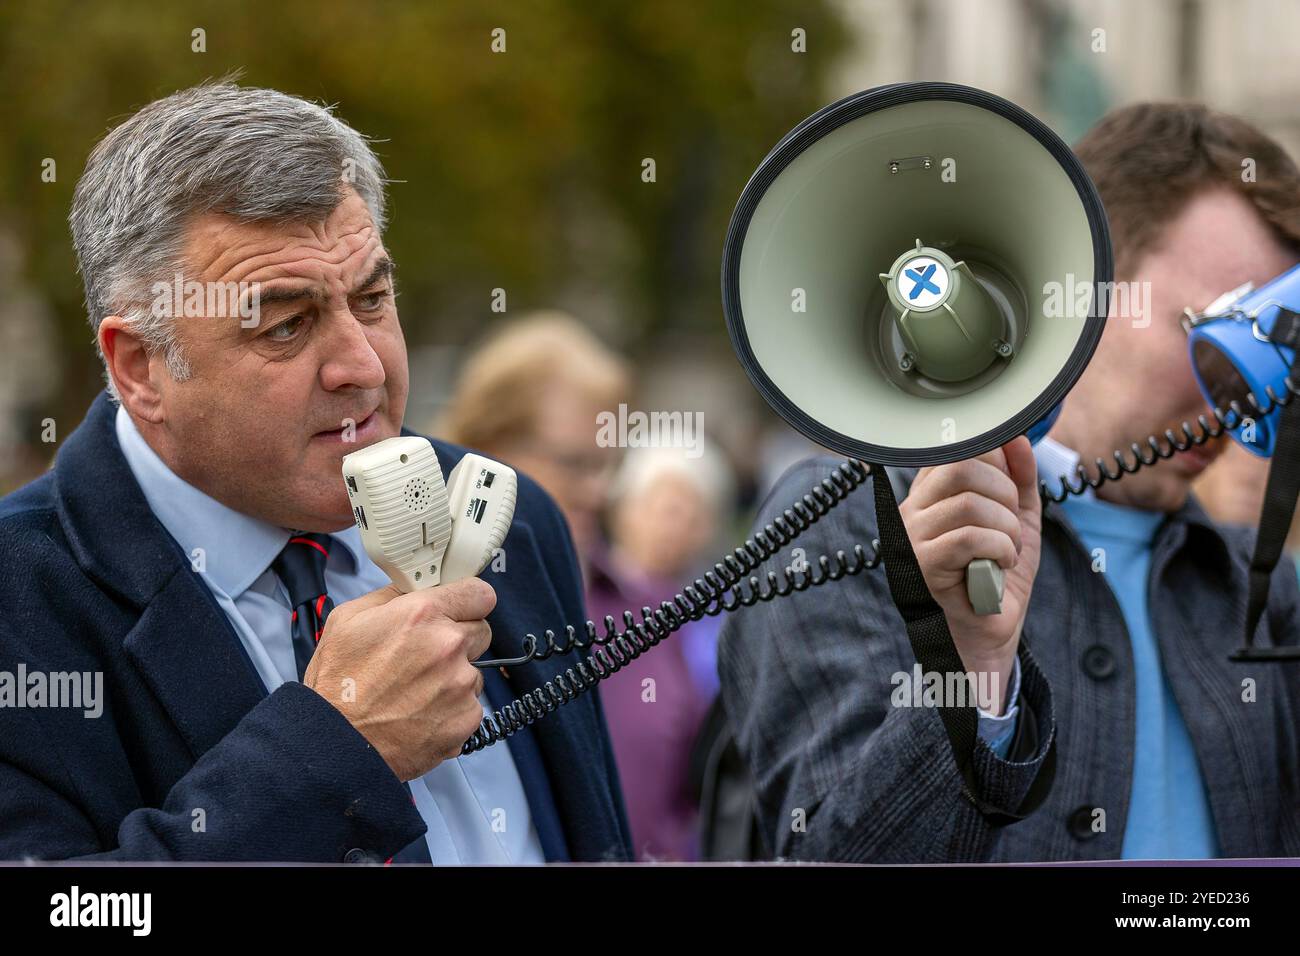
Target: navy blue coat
91 581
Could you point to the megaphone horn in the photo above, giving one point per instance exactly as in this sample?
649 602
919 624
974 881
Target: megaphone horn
886 278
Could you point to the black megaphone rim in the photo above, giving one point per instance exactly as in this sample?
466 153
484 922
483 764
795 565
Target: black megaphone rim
831 118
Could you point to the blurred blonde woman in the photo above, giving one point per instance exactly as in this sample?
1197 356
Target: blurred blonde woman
529 397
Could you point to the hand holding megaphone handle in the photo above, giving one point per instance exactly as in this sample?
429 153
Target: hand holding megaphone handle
984 582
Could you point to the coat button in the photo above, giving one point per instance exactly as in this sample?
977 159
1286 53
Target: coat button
358 855
1080 824
1098 662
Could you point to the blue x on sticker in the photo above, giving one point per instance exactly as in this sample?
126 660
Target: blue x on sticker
922 279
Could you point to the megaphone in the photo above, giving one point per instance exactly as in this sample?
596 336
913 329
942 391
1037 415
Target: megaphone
1242 347
1245 353
916 275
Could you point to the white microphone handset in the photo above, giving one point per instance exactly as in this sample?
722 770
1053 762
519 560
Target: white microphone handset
421 530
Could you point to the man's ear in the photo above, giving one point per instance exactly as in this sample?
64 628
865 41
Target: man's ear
131 368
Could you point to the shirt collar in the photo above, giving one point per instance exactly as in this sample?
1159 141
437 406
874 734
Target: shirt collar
353 550
237 548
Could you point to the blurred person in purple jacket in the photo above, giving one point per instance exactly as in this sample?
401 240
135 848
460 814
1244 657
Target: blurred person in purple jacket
667 507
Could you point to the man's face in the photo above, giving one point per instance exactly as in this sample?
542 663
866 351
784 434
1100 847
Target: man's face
1140 381
260 425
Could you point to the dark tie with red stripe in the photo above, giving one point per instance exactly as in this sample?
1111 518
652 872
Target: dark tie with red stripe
301 568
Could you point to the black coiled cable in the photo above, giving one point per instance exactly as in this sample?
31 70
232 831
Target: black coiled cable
725 587
1193 435
720 590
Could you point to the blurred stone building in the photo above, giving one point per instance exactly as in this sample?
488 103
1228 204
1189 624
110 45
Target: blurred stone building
1068 61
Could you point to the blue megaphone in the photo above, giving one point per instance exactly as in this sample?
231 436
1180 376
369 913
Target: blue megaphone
1236 355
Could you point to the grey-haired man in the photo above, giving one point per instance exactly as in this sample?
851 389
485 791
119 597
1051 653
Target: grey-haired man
267 694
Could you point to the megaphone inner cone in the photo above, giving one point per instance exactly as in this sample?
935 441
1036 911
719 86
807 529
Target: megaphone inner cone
946 322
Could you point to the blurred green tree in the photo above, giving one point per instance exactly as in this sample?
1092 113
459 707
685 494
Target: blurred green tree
520 170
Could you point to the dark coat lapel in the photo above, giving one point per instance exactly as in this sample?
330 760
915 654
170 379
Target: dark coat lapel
183 645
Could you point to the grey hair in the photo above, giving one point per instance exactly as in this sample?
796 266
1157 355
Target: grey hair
254 154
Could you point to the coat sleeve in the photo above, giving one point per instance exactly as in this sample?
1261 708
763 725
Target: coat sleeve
292 781
808 680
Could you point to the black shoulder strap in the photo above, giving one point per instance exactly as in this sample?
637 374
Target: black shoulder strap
1280 495
927 630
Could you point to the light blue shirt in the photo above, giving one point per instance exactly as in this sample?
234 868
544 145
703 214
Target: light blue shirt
475 806
1169 812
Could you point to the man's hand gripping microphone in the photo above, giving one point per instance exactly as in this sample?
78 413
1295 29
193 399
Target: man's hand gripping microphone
419 653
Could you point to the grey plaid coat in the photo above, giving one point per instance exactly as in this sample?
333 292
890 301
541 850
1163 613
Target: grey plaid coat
842 775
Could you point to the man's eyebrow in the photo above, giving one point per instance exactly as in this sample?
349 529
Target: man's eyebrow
383 268
288 295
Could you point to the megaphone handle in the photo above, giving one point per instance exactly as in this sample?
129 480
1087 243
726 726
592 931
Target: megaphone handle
984 580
